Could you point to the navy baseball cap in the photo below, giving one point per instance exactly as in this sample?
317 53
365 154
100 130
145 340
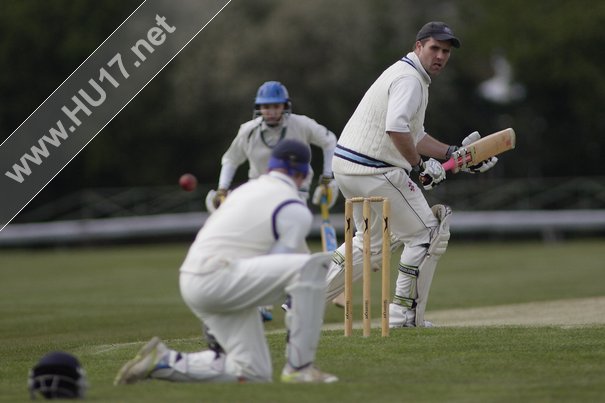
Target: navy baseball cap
439 31
292 155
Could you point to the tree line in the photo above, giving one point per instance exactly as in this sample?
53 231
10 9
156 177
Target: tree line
327 53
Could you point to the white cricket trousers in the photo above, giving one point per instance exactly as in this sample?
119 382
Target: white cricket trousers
411 223
227 299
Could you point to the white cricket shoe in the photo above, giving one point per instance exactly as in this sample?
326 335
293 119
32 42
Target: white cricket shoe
145 362
309 374
425 323
287 304
400 316
339 301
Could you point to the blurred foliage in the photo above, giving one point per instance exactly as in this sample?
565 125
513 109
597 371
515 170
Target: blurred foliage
327 53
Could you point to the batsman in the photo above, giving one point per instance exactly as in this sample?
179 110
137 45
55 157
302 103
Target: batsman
380 152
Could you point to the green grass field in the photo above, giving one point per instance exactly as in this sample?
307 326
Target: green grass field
103 304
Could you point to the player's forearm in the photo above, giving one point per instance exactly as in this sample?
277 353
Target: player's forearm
405 145
328 146
227 173
327 168
431 147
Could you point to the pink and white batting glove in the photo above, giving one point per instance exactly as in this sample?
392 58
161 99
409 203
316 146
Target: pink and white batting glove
432 173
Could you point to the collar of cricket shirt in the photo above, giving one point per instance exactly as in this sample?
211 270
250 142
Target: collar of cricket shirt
283 177
272 135
412 59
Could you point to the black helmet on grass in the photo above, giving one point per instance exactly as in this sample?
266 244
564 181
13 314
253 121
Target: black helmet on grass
58 375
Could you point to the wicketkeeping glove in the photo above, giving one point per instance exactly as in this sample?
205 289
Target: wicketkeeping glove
432 173
328 184
214 198
219 198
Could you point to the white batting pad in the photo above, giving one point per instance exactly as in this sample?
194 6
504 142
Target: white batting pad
426 270
305 316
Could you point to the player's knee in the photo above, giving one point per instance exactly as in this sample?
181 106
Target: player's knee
316 268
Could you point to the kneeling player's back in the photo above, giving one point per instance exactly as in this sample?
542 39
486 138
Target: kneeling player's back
244 225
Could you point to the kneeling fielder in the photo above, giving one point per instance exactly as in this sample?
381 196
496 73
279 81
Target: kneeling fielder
250 252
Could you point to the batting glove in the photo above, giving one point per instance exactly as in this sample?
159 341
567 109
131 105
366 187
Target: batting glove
471 138
432 173
326 186
481 167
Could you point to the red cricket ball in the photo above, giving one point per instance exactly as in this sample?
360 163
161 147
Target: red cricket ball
188 182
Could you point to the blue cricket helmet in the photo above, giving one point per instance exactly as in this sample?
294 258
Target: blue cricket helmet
272 92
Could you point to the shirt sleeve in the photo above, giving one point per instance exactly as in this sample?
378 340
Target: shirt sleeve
236 153
292 225
232 159
225 178
405 95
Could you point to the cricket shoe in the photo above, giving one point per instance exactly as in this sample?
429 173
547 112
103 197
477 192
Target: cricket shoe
149 358
339 301
287 304
309 374
402 317
425 323
266 313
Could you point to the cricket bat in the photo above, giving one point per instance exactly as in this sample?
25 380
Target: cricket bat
328 233
484 148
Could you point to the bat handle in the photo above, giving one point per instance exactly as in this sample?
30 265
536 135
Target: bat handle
323 204
452 162
449 164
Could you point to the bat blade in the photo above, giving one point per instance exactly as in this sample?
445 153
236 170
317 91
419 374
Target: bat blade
328 233
328 237
484 148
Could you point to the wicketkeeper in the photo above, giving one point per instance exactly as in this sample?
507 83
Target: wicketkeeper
273 122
